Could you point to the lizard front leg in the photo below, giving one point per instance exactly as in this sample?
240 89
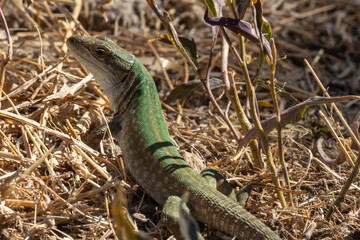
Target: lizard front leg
101 132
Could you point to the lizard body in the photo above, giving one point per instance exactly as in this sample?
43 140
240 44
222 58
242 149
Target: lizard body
147 148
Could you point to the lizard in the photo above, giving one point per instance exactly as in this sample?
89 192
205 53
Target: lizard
148 150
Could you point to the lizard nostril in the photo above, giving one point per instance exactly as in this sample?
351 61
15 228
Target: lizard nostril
71 40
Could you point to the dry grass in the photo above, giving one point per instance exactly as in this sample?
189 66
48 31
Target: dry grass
54 186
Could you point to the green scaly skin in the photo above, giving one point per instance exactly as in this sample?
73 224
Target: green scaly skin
147 148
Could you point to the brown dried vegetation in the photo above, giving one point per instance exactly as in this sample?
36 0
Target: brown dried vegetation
54 186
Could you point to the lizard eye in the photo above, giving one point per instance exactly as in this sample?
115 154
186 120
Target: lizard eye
100 52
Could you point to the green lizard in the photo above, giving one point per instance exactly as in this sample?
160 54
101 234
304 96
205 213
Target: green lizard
147 148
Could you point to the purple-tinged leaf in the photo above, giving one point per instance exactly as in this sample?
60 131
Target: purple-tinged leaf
240 27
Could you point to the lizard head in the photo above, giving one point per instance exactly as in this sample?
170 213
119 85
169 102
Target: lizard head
109 63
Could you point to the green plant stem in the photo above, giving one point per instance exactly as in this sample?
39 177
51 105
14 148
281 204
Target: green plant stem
254 116
231 94
272 83
244 122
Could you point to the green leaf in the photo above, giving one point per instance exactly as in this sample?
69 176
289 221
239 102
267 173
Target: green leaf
182 91
266 28
188 44
241 7
211 5
124 228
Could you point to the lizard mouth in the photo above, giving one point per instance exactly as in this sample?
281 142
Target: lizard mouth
78 47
